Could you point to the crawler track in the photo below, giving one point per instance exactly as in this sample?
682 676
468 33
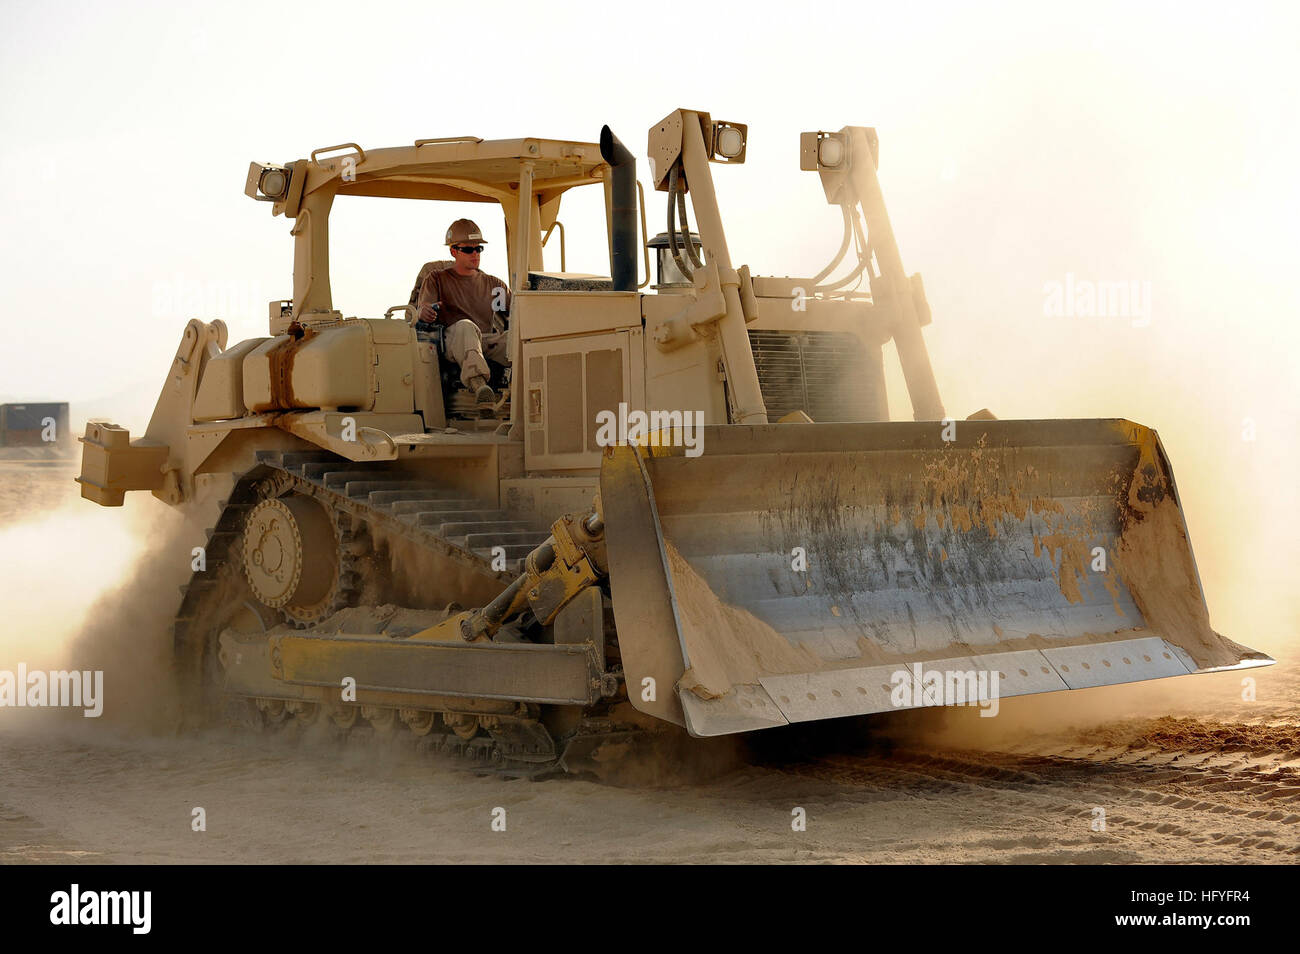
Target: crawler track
476 549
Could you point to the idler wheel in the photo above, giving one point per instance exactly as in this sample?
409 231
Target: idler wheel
290 553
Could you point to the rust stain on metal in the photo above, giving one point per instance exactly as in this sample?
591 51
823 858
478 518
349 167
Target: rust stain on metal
280 360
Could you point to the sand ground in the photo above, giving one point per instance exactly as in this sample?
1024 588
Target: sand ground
1184 770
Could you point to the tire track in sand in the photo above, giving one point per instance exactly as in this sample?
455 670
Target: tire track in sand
1216 804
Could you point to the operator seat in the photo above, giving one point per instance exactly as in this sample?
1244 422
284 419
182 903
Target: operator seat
425 269
450 373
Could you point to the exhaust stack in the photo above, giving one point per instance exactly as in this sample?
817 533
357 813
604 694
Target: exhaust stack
622 244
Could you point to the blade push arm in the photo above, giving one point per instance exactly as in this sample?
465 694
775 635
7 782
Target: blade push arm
846 162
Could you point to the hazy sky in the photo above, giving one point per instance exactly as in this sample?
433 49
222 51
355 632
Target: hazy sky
1021 146
1024 148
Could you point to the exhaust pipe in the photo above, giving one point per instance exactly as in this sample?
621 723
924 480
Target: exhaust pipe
622 244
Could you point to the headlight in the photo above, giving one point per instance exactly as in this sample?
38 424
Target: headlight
823 151
267 183
830 152
274 183
729 141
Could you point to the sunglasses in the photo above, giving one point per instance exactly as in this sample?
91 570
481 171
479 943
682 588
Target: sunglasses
468 249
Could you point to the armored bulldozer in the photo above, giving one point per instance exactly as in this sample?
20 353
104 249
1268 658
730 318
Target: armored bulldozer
689 507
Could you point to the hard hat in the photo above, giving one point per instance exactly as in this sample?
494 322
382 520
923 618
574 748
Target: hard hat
464 231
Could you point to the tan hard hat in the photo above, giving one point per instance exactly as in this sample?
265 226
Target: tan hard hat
464 231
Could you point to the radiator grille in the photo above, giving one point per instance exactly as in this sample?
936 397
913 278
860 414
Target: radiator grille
825 373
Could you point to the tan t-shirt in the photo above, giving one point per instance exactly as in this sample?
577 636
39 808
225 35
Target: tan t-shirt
464 296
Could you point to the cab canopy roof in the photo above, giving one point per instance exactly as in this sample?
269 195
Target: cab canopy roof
462 169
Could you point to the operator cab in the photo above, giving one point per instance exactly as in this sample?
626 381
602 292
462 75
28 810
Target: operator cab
442 172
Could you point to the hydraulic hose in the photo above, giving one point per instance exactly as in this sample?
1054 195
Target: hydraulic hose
864 257
686 231
839 256
682 267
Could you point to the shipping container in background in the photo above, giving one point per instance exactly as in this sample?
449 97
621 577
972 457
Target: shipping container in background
35 429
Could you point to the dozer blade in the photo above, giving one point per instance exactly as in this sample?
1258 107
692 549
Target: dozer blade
795 572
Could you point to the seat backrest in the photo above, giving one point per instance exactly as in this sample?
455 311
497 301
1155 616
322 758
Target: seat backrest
425 269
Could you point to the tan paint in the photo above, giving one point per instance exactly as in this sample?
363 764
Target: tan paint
684 350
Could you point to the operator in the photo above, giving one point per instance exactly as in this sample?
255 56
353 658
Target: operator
472 305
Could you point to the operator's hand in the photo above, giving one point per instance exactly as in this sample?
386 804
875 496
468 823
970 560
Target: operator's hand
429 313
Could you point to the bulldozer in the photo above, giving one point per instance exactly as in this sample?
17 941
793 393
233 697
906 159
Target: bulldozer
690 507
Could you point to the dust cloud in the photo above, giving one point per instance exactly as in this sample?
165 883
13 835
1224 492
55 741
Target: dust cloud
90 589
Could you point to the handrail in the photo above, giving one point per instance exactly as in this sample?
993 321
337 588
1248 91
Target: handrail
384 440
429 142
545 238
360 152
645 241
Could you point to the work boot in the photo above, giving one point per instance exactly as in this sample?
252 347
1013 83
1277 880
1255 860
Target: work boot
483 393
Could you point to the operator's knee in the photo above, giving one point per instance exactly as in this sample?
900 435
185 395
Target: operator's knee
462 338
463 344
